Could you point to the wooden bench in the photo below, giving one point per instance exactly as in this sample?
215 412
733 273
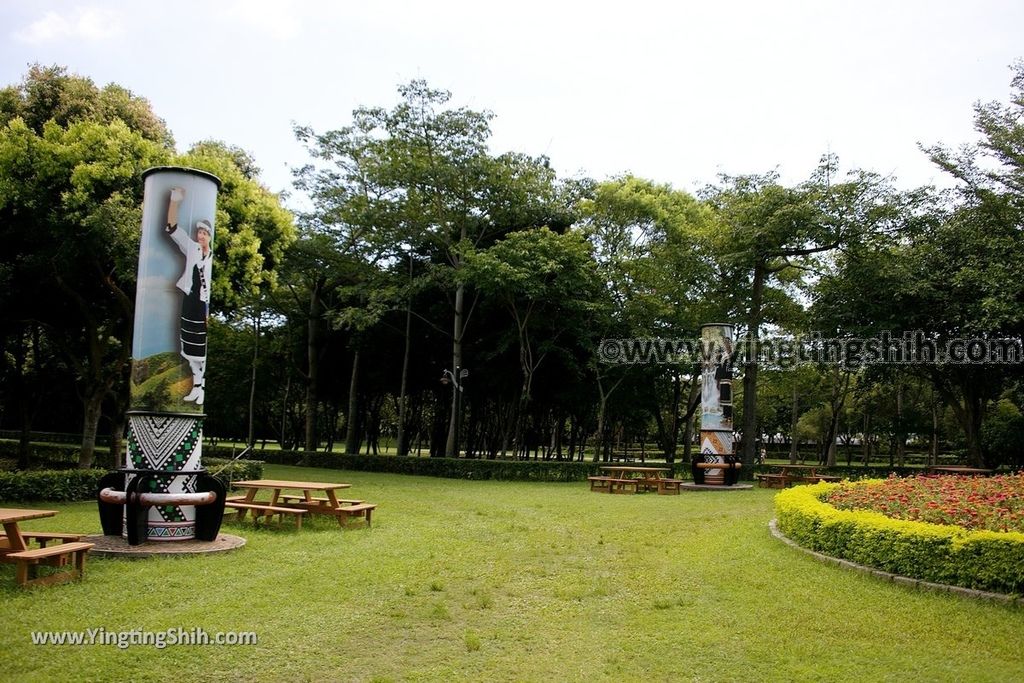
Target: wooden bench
322 499
44 537
772 481
54 556
346 513
264 510
598 483
620 485
669 486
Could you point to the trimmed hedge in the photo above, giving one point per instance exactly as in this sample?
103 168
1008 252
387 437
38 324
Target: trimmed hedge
450 468
55 485
67 485
984 560
53 456
228 471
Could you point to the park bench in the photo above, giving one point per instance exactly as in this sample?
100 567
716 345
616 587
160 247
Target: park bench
620 485
264 510
772 481
668 486
598 483
59 555
363 510
44 537
321 499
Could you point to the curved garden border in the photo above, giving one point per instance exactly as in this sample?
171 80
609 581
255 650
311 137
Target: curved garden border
928 554
896 578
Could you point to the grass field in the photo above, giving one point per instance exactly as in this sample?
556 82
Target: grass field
486 581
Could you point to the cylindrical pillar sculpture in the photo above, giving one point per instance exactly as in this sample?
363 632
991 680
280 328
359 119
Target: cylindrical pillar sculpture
716 399
168 390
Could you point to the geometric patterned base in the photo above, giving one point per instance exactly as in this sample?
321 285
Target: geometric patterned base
171 533
171 444
115 546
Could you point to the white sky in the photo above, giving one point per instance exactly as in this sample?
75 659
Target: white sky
677 92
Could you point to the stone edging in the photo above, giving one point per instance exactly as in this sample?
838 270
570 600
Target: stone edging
896 578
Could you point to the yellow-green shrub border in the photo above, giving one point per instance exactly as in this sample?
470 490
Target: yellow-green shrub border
984 560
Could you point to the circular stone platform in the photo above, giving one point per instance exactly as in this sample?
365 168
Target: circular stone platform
116 546
690 486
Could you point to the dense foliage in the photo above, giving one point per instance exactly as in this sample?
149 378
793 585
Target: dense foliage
435 297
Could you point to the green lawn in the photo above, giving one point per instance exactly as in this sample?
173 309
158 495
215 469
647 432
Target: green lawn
463 580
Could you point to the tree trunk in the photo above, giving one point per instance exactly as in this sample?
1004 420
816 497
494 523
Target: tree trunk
901 436
316 310
672 442
794 420
692 404
402 446
284 441
460 296
866 439
933 453
352 431
600 426
93 404
251 439
749 435
117 455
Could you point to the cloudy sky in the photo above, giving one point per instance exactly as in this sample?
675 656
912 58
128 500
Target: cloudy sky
678 92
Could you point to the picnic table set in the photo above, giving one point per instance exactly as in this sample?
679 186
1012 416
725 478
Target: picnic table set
782 476
318 498
627 479
68 551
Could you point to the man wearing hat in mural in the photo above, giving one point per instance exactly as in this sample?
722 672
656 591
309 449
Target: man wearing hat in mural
195 284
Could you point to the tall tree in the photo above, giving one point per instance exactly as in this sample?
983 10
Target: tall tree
71 156
544 280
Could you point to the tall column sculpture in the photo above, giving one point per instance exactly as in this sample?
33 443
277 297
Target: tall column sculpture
716 434
154 497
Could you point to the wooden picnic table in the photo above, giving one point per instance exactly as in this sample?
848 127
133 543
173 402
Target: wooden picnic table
14 541
297 505
15 550
792 474
955 469
628 479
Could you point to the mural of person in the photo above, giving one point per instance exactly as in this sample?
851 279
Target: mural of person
710 398
194 283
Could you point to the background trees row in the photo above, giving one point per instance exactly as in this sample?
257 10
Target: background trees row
422 256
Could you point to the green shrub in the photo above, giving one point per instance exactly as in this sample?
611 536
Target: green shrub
239 470
55 485
985 560
52 455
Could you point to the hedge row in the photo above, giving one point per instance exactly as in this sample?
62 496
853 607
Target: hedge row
984 560
53 485
53 456
73 484
450 468
60 456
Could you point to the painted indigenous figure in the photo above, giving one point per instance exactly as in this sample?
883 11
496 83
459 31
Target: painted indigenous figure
194 283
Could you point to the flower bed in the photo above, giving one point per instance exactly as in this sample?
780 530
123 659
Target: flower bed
941 553
974 503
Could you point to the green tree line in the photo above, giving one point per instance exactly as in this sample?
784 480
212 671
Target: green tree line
435 297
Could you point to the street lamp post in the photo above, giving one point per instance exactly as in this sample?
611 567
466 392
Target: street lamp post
458 380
